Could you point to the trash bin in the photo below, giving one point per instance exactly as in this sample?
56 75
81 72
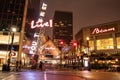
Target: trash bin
4 67
118 69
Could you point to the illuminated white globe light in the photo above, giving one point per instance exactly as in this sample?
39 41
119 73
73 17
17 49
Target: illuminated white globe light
14 29
87 38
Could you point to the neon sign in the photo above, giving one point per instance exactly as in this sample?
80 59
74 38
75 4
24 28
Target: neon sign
98 30
34 45
39 23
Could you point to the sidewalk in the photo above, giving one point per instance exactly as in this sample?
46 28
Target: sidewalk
5 74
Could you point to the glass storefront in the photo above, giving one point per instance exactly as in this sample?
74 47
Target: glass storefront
118 42
103 44
91 45
6 39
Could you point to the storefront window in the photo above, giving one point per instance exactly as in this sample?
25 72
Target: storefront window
84 49
103 44
91 45
6 39
118 42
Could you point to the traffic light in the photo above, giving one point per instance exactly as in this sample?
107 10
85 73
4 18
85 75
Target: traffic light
74 43
61 42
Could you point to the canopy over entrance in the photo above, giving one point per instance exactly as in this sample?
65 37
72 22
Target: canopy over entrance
51 48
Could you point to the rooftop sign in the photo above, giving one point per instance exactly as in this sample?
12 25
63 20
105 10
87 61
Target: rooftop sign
102 30
40 22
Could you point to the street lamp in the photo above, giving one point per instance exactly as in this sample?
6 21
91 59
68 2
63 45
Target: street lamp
13 29
89 66
87 38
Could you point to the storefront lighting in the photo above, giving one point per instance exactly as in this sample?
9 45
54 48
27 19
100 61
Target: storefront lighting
87 38
116 60
13 29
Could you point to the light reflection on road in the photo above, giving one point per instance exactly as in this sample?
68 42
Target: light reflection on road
43 75
63 75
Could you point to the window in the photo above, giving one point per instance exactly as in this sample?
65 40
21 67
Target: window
9 17
118 42
4 16
6 39
105 44
9 22
91 45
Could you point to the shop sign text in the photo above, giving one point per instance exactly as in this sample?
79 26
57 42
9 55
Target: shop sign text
98 30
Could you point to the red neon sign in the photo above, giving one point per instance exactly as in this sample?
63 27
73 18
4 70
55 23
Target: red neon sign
98 31
41 24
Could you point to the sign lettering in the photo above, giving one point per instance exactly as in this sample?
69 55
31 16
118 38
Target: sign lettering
41 24
34 44
98 30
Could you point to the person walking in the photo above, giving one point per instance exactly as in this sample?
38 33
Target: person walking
41 65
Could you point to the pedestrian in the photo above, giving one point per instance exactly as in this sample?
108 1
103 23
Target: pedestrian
41 65
17 65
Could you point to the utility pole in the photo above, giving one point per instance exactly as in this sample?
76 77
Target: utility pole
22 35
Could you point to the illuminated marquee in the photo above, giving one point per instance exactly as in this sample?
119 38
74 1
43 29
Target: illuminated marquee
98 30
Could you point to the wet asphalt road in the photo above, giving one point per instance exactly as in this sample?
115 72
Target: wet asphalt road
43 75
61 75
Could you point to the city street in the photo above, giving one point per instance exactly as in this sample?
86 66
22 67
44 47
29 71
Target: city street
59 40
60 75
43 75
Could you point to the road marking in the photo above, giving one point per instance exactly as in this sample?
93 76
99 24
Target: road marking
45 76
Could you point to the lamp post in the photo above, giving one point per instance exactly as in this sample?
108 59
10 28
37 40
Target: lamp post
13 29
89 66
87 38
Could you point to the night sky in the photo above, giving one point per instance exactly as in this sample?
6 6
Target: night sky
85 12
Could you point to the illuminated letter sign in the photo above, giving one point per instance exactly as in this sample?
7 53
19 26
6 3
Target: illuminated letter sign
44 6
41 24
98 30
34 45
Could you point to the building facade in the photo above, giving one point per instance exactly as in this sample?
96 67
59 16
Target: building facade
100 43
11 15
102 38
62 26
